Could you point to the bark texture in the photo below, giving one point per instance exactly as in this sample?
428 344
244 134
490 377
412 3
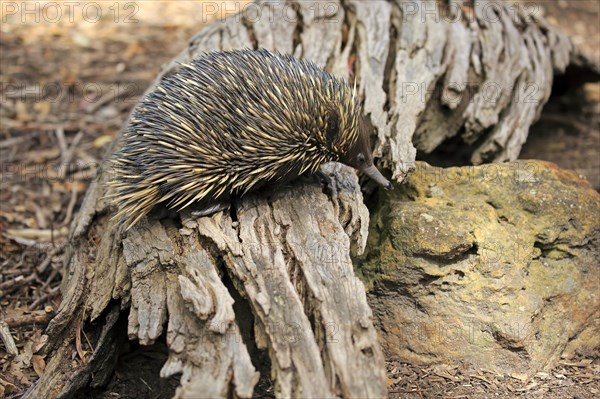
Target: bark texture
422 69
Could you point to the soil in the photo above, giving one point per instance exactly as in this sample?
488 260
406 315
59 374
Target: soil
67 87
568 131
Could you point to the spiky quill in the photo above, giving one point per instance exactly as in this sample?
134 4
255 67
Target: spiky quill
230 122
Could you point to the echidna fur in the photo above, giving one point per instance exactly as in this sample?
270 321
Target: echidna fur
230 122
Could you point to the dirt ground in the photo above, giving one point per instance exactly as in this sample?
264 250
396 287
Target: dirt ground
568 131
67 86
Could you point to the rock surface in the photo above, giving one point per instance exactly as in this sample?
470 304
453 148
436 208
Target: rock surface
495 265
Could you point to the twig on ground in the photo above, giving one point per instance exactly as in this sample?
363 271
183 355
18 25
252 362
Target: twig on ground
38 318
7 338
13 141
53 292
55 251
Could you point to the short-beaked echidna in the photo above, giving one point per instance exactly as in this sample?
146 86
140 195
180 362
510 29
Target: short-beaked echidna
230 122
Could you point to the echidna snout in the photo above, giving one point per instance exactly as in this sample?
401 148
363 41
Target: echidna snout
376 175
359 157
230 122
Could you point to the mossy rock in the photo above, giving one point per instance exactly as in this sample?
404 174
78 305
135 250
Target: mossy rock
494 265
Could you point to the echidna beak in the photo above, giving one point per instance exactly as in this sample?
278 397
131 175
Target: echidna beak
376 175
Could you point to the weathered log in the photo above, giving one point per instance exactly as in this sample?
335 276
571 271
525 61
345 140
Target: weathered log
289 254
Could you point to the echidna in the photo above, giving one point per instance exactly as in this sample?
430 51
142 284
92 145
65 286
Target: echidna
230 122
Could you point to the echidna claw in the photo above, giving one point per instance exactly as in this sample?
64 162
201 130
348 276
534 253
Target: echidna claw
324 179
327 183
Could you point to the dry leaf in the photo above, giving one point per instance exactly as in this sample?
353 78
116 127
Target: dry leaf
23 360
80 351
39 364
38 340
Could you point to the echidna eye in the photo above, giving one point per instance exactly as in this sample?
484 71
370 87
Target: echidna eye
361 158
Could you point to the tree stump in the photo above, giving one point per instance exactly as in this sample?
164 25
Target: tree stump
423 77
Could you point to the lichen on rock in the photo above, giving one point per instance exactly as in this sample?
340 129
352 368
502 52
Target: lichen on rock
495 265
